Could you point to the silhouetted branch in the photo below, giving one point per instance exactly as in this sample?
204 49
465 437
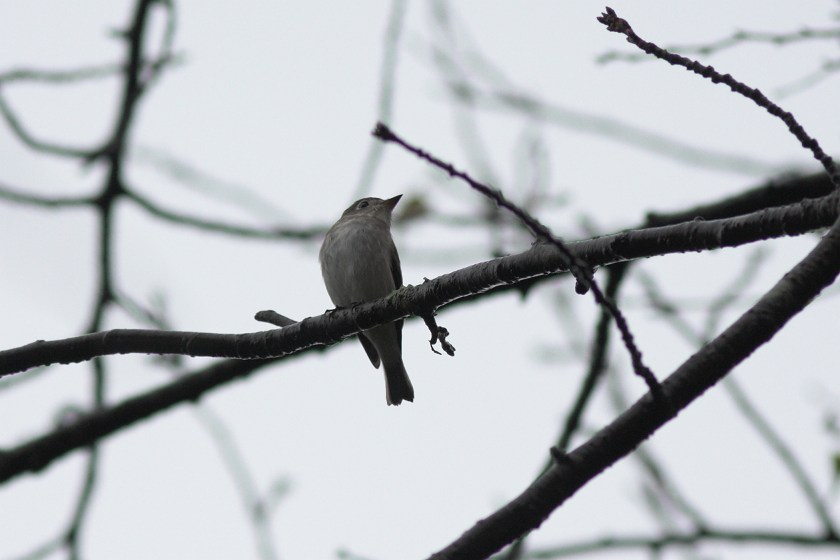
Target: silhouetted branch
273 318
542 259
777 192
737 38
825 70
657 544
104 205
667 490
61 77
696 375
312 332
255 506
500 93
731 293
34 455
701 371
755 419
467 131
233 460
40 145
597 366
618 25
191 176
770 436
42 550
57 77
20 197
597 360
615 130
221 227
387 86
580 268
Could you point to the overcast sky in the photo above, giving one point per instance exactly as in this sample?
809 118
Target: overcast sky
275 102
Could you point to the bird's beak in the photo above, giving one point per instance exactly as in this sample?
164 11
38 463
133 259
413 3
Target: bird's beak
391 202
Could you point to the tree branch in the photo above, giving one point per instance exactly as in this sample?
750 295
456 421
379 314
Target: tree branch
696 375
540 260
674 540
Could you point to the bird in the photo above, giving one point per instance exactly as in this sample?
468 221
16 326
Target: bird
360 263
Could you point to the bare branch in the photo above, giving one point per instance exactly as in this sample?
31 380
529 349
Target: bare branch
737 38
66 77
755 419
54 202
387 87
779 192
221 227
540 260
615 24
681 540
578 267
191 176
96 425
696 375
39 145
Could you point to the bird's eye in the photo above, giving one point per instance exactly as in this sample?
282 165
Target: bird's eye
363 204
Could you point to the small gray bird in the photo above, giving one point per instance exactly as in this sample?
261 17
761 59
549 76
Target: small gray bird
359 263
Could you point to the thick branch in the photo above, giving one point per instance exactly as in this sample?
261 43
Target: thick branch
540 260
36 454
699 373
777 192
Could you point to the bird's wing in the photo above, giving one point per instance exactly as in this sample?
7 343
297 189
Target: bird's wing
370 350
396 272
399 325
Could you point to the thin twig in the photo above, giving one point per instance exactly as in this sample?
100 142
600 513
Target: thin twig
193 177
501 94
454 72
790 295
242 477
667 487
758 421
577 267
784 453
39 145
739 37
598 361
387 87
618 25
65 77
105 203
256 509
598 364
221 227
19 197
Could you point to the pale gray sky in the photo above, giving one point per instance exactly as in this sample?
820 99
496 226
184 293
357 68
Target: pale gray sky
279 98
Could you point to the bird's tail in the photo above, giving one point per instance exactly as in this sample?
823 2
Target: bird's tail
397 384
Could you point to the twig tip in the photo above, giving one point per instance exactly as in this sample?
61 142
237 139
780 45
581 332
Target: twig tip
613 22
382 132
